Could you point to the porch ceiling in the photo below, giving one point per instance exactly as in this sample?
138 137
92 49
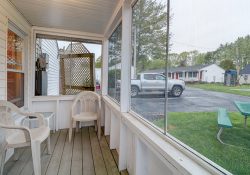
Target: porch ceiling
81 15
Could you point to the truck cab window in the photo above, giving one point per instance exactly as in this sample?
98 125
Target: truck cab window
160 77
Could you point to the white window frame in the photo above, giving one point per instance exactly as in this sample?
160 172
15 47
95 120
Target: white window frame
116 25
14 28
54 32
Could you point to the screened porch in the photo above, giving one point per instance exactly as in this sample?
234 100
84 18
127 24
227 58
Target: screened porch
122 50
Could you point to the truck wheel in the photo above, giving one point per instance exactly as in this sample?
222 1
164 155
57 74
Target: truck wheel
134 91
176 91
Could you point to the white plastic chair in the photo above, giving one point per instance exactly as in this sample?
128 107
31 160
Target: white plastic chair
86 107
20 136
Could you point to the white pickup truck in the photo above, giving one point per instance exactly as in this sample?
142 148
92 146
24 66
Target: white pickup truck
156 82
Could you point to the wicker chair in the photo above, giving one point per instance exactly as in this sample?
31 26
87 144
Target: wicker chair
86 107
17 136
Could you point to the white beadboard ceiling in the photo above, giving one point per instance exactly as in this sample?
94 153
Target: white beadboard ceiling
81 15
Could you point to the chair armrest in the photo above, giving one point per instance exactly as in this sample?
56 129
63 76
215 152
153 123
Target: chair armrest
16 127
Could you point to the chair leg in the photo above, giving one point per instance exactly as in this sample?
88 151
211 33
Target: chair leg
70 130
36 156
77 126
48 145
99 129
16 154
2 160
95 125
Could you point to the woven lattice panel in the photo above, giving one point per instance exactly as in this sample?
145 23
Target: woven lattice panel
76 48
76 70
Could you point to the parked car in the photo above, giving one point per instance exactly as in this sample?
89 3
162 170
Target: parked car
146 82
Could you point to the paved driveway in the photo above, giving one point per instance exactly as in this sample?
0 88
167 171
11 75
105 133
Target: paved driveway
192 100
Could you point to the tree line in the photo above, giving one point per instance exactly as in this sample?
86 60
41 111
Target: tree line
228 55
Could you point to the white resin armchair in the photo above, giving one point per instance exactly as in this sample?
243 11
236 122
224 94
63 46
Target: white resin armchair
86 107
16 136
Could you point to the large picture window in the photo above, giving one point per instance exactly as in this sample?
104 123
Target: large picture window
15 75
149 52
66 66
114 64
207 89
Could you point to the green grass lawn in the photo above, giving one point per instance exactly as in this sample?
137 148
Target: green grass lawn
238 90
199 129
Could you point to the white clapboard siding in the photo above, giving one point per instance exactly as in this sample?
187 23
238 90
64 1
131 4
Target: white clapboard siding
50 47
8 13
3 38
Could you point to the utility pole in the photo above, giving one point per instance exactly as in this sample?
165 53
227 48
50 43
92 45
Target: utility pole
166 70
238 64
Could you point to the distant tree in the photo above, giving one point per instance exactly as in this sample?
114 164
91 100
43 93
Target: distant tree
156 64
149 32
227 64
115 47
98 62
199 59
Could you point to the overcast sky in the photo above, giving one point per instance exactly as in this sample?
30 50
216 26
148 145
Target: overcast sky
205 24
93 48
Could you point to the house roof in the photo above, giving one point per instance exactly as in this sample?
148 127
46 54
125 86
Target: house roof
246 70
179 69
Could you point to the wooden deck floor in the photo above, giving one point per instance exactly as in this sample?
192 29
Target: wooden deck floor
84 155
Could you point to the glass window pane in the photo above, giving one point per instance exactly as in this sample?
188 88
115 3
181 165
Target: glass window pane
114 64
14 51
65 67
209 75
210 43
15 84
148 60
15 77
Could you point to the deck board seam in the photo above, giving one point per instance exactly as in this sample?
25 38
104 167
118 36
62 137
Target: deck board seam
11 159
91 150
112 154
52 152
72 140
82 148
27 159
102 153
62 153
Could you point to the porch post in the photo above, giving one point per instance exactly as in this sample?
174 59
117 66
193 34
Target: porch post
104 83
126 55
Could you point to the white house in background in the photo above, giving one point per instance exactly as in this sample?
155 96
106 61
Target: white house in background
245 75
205 73
49 49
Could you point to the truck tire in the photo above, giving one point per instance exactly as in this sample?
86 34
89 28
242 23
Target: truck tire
134 91
176 91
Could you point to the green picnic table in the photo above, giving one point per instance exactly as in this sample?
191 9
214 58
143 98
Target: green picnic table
244 108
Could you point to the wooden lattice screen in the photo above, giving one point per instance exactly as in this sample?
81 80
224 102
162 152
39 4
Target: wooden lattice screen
76 71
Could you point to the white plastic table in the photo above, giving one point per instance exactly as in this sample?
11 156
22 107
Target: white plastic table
48 116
